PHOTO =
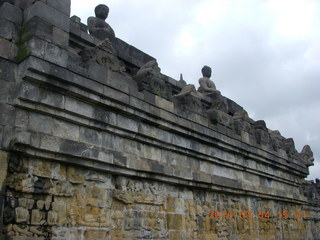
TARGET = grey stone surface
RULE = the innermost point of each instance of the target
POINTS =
(11, 13)
(90, 136)
(7, 49)
(7, 29)
(41, 123)
(7, 114)
(97, 25)
(78, 107)
(63, 6)
(56, 55)
(48, 14)
(7, 71)
(60, 37)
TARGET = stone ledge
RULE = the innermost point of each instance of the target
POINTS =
(254, 156)
(118, 170)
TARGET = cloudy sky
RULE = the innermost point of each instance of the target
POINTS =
(265, 54)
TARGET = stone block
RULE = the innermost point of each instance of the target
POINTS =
(56, 55)
(97, 72)
(50, 143)
(156, 167)
(63, 6)
(51, 98)
(60, 37)
(29, 91)
(120, 82)
(127, 123)
(37, 27)
(105, 116)
(75, 28)
(48, 14)
(90, 136)
(22, 137)
(78, 149)
(105, 157)
(7, 29)
(7, 114)
(116, 95)
(41, 123)
(7, 135)
(7, 49)
(65, 130)
(7, 72)
(119, 158)
(78, 107)
(109, 140)
(164, 104)
(11, 13)
(36, 47)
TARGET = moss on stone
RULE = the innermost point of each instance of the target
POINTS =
(23, 50)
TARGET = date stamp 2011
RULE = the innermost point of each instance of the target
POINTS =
(258, 215)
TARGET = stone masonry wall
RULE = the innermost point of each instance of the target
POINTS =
(91, 148)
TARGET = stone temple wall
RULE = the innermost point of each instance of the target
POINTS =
(96, 143)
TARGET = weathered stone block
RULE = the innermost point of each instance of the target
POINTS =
(90, 136)
(29, 91)
(127, 123)
(60, 37)
(105, 116)
(7, 114)
(7, 49)
(7, 29)
(41, 123)
(115, 94)
(51, 98)
(163, 103)
(175, 221)
(119, 158)
(37, 27)
(65, 130)
(36, 47)
(11, 13)
(63, 6)
(7, 72)
(56, 55)
(48, 14)
(78, 107)
(50, 143)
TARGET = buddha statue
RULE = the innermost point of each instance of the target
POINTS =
(97, 25)
(206, 84)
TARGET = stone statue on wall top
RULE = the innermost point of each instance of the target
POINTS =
(206, 84)
(98, 26)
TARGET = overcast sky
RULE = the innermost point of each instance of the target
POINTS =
(265, 54)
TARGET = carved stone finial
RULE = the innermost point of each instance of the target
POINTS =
(97, 25)
(307, 155)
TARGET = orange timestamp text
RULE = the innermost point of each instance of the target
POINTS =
(258, 215)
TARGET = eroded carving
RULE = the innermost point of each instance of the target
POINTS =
(307, 156)
(104, 55)
(150, 79)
